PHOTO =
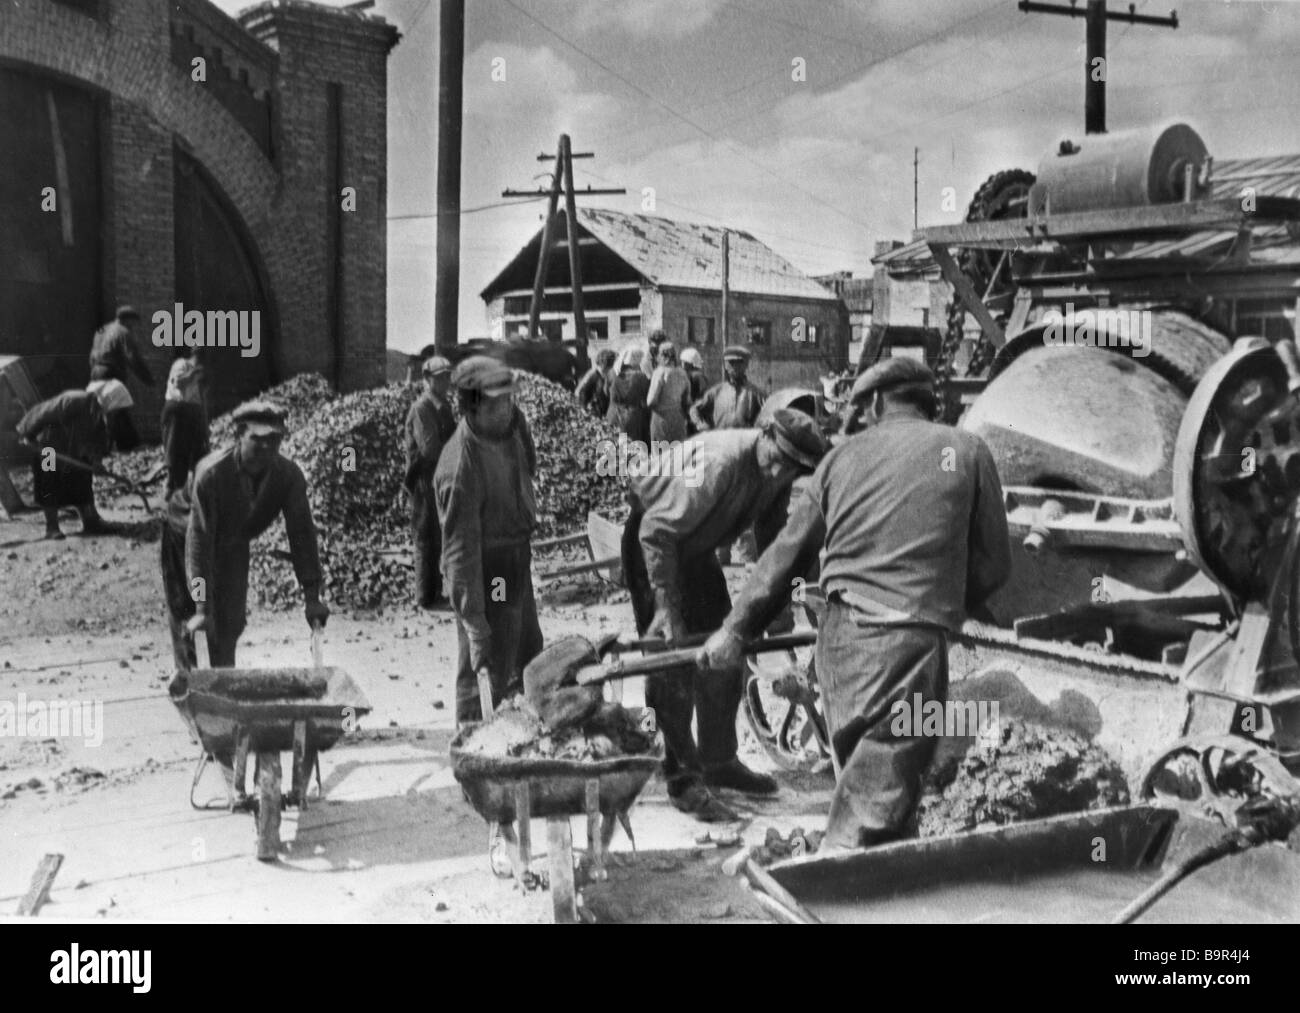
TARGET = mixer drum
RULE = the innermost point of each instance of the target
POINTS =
(1125, 168)
(1081, 418)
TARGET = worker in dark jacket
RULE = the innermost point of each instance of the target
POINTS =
(70, 438)
(429, 425)
(593, 389)
(735, 402)
(113, 354)
(909, 519)
(237, 494)
(733, 480)
(693, 363)
(629, 411)
(484, 489)
(184, 444)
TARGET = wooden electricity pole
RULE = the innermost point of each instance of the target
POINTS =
(726, 285)
(1094, 65)
(451, 72)
(561, 183)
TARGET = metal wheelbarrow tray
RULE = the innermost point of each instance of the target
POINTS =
(228, 723)
(1049, 870)
(507, 791)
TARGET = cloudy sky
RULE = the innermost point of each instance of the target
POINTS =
(697, 100)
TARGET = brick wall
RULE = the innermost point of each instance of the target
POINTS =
(781, 363)
(283, 205)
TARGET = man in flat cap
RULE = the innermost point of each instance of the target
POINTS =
(113, 354)
(736, 478)
(483, 486)
(909, 520)
(237, 494)
(429, 425)
(735, 402)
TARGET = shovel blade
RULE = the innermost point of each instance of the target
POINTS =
(549, 683)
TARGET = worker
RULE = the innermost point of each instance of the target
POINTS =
(735, 402)
(429, 425)
(668, 397)
(113, 355)
(650, 357)
(184, 443)
(70, 436)
(693, 363)
(593, 390)
(483, 486)
(629, 412)
(237, 493)
(677, 588)
(909, 521)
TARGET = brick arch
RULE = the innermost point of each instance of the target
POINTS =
(46, 37)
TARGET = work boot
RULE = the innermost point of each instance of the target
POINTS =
(735, 775)
(703, 804)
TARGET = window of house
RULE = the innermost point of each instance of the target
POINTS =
(552, 330)
(1263, 318)
(759, 331)
(629, 324)
(598, 329)
(699, 330)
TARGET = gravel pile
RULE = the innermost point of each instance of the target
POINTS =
(350, 447)
(1029, 771)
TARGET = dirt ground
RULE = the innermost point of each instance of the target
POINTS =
(393, 839)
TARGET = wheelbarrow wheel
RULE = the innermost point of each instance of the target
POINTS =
(785, 716)
(268, 806)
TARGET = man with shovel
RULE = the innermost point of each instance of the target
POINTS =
(483, 486)
(237, 494)
(734, 479)
(429, 425)
(909, 521)
(70, 434)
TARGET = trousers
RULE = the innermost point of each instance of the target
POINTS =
(863, 669)
(426, 536)
(712, 698)
(516, 633)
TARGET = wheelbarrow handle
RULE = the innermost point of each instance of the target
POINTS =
(661, 661)
(317, 646)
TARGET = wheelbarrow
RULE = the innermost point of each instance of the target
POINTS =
(237, 712)
(508, 791)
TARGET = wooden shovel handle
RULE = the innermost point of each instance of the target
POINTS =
(664, 660)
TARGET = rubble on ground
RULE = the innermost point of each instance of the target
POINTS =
(1027, 772)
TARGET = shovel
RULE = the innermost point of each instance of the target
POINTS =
(563, 682)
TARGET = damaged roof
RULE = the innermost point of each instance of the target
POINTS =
(673, 254)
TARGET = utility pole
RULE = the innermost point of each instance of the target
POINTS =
(451, 73)
(1094, 66)
(726, 284)
(561, 182)
(916, 162)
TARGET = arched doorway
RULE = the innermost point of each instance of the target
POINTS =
(217, 270)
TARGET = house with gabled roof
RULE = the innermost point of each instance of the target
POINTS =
(642, 273)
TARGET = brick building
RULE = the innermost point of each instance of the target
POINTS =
(642, 273)
(197, 159)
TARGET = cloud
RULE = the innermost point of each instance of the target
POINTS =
(648, 17)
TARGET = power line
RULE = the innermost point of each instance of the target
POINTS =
(470, 211)
(685, 119)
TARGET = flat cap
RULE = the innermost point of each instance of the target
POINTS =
(126, 313)
(484, 374)
(436, 364)
(797, 436)
(692, 357)
(736, 352)
(898, 371)
(261, 417)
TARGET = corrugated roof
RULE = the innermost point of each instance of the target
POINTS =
(672, 254)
